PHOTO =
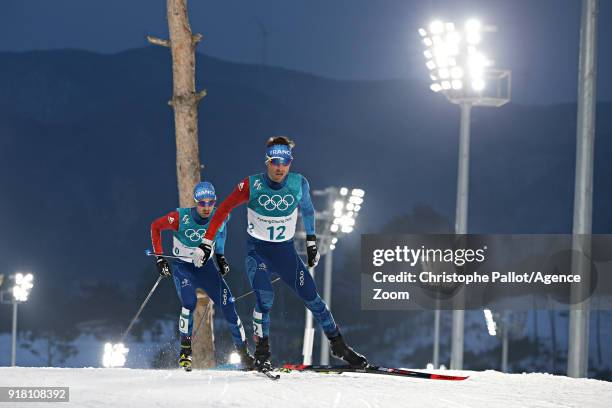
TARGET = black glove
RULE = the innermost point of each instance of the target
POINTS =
(202, 253)
(163, 267)
(223, 265)
(311, 249)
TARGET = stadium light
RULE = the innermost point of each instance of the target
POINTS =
(491, 325)
(460, 70)
(115, 355)
(346, 209)
(452, 53)
(234, 358)
(23, 286)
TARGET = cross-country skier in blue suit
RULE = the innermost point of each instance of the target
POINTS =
(273, 200)
(188, 226)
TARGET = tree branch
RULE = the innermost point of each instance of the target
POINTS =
(200, 95)
(182, 99)
(158, 41)
(196, 38)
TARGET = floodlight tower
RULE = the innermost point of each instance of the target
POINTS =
(462, 73)
(578, 343)
(18, 293)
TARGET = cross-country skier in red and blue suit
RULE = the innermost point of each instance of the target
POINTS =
(273, 199)
(188, 226)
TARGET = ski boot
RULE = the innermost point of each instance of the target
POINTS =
(262, 354)
(185, 354)
(247, 360)
(341, 351)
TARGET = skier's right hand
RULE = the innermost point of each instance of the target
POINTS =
(163, 267)
(202, 253)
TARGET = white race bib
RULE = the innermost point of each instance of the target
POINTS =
(183, 251)
(271, 229)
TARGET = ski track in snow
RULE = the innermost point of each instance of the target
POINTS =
(123, 387)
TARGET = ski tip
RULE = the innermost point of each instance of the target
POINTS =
(270, 375)
(298, 367)
(448, 377)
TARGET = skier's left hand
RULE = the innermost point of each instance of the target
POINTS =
(202, 253)
(224, 267)
(311, 249)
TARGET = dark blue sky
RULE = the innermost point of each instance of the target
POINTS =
(348, 39)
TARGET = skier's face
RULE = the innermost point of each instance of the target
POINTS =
(277, 171)
(205, 207)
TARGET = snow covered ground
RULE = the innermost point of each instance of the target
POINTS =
(96, 387)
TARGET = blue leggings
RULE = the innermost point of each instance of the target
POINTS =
(187, 278)
(265, 258)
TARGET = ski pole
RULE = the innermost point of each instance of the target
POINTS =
(252, 291)
(148, 252)
(235, 299)
(141, 307)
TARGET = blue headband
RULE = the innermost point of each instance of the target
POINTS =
(279, 151)
(203, 191)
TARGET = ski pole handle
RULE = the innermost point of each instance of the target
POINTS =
(148, 252)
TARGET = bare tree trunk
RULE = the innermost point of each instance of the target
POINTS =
(185, 102)
(203, 349)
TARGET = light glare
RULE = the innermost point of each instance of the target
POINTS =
(435, 87)
(453, 38)
(491, 325)
(436, 27)
(478, 84)
(114, 355)
(356, 200)
(23, 286)
(357, 192)
(234, 358)
(473, 38)
(456, 72)
(472, 25)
